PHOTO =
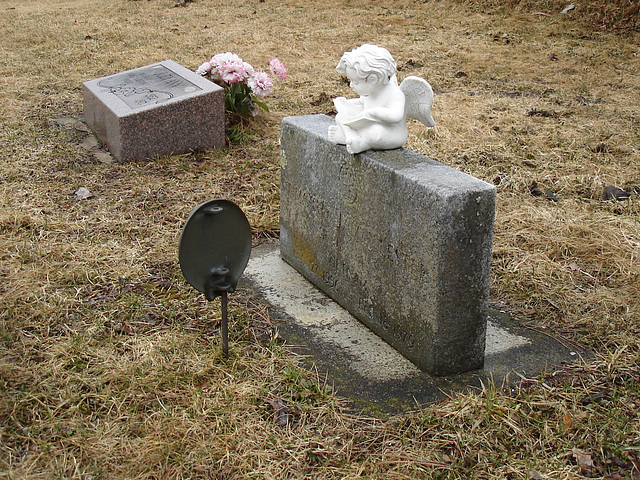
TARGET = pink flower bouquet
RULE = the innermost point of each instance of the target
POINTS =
(244, 87)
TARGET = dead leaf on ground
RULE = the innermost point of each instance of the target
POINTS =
(583, 459)
(567, 422)
(600, 396)
(534, 189)
(614, 193)
(632, 10)
(550, 195)
(533, 475)
(534, 112)
(281, 410)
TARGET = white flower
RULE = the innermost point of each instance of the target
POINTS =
(260, 84)
(204, 68)
(249, 69)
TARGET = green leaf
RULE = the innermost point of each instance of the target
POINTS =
(261, 105)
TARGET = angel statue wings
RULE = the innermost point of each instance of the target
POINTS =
(378, 118)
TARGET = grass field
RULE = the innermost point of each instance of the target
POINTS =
(110, 365)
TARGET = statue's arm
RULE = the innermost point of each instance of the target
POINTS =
(393, 113)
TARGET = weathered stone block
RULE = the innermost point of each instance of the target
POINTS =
(160, 109)
(399, 240)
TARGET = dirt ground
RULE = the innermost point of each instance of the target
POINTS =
(110, 365)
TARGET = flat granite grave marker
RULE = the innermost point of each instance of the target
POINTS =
(399, 240)
(159, 109)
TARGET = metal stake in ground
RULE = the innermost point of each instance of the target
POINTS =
(215, 246)
(225, 325)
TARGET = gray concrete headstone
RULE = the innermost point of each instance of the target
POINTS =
(156, 110)
(399, 240)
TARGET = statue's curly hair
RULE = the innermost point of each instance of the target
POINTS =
(369, 60)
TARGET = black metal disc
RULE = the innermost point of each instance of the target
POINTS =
(215, 246)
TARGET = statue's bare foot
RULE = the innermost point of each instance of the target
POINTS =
(336, 135)
(357, 145)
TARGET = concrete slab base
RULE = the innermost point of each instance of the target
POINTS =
(373, 376)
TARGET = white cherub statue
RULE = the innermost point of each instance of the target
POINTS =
(378, 119)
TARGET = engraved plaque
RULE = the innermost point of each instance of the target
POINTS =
(148, 86)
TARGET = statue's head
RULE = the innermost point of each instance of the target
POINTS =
(367, 61)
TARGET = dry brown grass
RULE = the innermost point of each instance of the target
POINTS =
(110, 365)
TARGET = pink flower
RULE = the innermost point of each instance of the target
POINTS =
(278, 69)
(232, 72)
(228, 67)
(260, 84)
(227, 57)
